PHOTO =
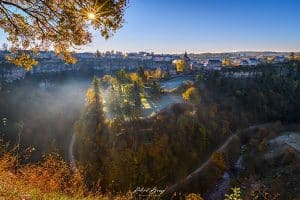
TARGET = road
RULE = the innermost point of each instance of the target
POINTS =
(173, 188)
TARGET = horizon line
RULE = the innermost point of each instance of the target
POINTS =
(176, 53)
(193, 52)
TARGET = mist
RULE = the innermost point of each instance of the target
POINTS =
(41, 113)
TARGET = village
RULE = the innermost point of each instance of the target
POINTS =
(110, 61)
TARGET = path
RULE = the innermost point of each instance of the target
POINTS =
(71, 152)
(194, 174)
(172, 189)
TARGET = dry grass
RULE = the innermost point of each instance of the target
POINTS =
(52, 178)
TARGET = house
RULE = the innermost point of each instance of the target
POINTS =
(133, 56)
(158, 58)
(253, 61)
(85, 55)
(236, 62)
(278, 59)
(244, 62)
(119, 54)
(263, 59)
(213, 64)
(194, 66)
(168, 59)
(249, 62)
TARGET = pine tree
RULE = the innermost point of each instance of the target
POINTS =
(92, 138)
(136, 95)
(141, 73)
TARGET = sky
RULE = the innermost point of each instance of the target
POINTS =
(199, 26)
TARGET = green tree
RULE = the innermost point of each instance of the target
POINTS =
(36, 25)
(91, 140)
(141, 73)
(155, 89)
(132, 100)
(122, 76)
(136, 95)
(199, 78)
(114, 102)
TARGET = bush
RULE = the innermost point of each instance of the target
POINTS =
(236, 194)
(218, 159)
(50, 177)
(192, 95)
(193, 196)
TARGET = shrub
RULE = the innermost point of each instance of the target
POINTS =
(193, 196)
(218, 159)
(192, 95)
(235, 195)
(50, 177)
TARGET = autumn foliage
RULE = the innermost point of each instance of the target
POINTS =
(51, 175)
(62, 26)
(192, 95)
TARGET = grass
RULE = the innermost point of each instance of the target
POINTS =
(52, 178)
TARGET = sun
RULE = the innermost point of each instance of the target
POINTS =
(91, 16)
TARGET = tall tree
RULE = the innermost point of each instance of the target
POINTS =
(62, 25)
(158, 73)
(155, 89)
(92, 137)
(136, 95)
(122, 76)
(292, 56)
(141, 73)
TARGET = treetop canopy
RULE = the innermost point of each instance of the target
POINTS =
(62, 25)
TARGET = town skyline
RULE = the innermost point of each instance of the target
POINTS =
(188, 52)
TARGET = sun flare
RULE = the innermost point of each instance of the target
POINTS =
(91, 16)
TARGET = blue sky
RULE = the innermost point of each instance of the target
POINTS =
(175, 26)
